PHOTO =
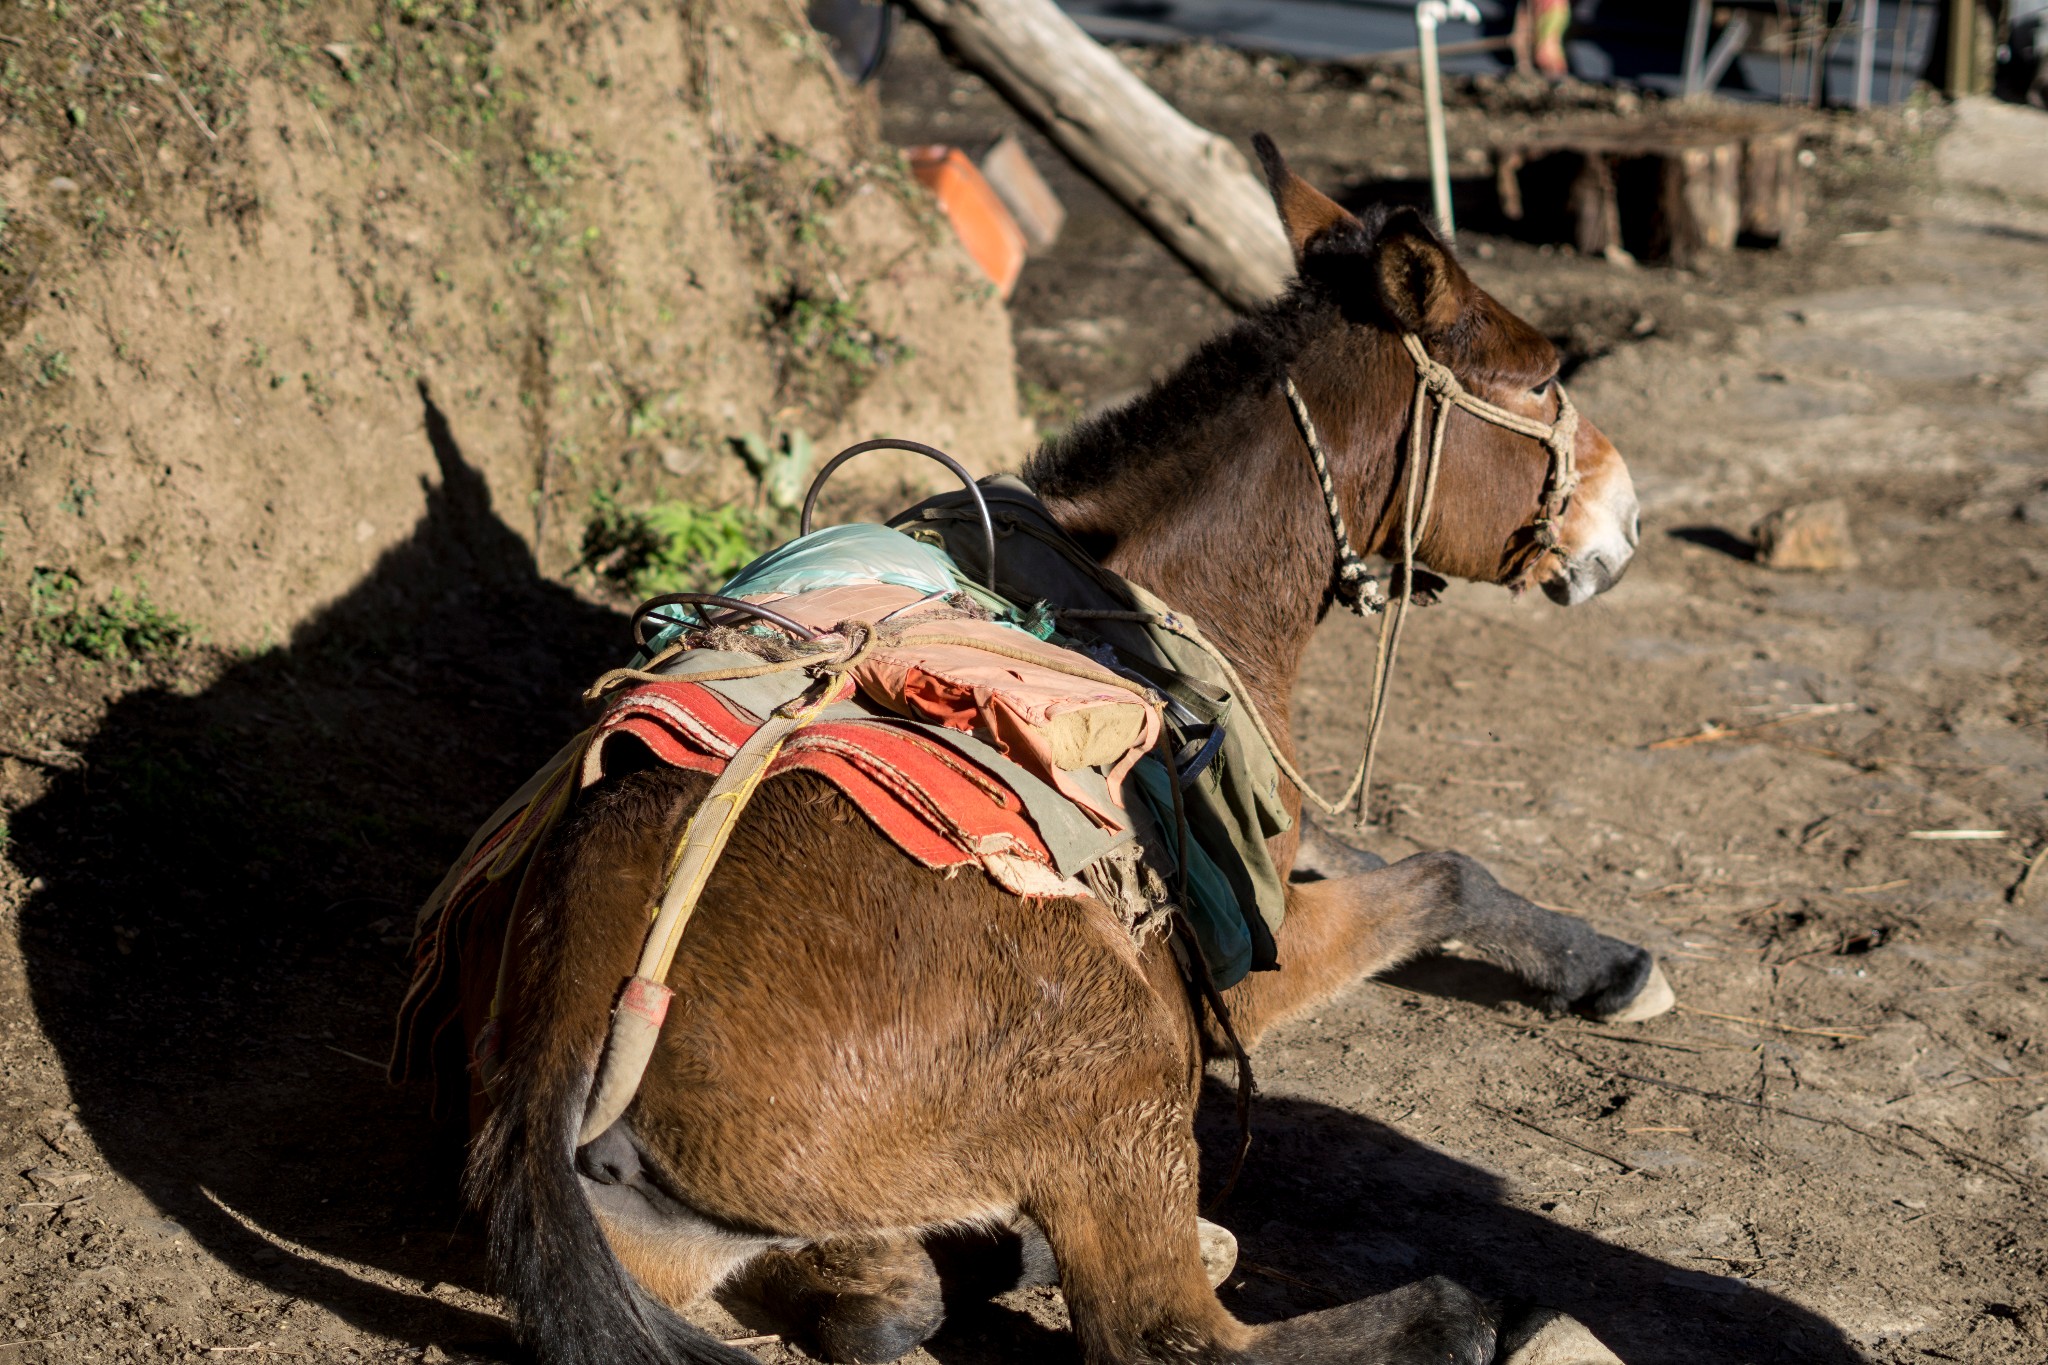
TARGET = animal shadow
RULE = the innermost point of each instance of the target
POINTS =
(226, 886)
(1333, 1206)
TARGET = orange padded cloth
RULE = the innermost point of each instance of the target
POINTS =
(1050, 712)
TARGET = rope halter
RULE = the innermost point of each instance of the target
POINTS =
(1354, 584)
(1560, 438)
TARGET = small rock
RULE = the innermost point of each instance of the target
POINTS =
(2033, 394)
(434, 1355)
(63, 184)
(1808, 535)
(1219, 1251)
(1548, 1337)
(1031, 202)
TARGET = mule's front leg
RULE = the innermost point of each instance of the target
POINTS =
(1345, 927)
(1431, 1322)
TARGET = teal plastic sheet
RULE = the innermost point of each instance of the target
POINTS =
(842, 555)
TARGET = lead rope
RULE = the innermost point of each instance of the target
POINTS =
(1355, 585)
(1413, 520)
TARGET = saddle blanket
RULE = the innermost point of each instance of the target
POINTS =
(935, 804)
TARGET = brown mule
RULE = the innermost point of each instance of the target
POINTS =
(869, 1069)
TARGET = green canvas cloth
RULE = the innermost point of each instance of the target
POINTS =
(1219, 928)
(1235, 805)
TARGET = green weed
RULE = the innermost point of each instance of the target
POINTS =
(782, 472)
(1050, 411)
(825, 348)
(46, 364)
(122, 627)
(671, 546)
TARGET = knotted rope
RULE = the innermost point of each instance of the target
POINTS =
(1560, 437)
(1437, 391)
(1355, 585)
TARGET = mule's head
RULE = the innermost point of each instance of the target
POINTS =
(1388, 274)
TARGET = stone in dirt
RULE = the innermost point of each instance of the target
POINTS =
(1219, 1251)
(1548, 1337)
(1039, 213)
(1807, 535)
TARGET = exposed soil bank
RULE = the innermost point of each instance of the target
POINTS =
(601, 243)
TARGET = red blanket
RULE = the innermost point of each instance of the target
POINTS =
(933, 803)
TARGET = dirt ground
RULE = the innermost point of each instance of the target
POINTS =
(1834, 1150)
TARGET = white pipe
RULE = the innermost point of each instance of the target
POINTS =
(1428, 15)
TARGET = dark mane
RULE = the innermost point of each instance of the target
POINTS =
(1157, 424)
(1158, 429)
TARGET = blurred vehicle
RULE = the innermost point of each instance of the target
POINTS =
(2023, 53)
(857, 31)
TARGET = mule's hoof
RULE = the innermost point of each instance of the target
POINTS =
(1652, 1000)
(1544, 1336)
(1219, 1251)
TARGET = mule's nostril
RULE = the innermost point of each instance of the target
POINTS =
(1635, 529)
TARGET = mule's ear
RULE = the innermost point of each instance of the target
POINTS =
(1421, 286)
(1305, 211)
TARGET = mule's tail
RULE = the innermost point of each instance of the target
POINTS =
(572, 1302)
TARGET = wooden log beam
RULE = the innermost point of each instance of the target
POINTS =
(1193, 189)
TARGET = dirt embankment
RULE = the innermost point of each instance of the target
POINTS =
(248, 260)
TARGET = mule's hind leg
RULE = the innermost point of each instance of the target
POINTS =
(1348, 926)
(851, 1299)
(678, 1254)
(1121, 1221)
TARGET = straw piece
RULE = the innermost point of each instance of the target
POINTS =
(1782, 1028)
(1715, 733)
(2017, 892)
(1955, 834)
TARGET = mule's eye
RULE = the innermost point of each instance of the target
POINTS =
(1543, 390)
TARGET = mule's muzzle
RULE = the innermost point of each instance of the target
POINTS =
(1584, 578)
(1613, 528)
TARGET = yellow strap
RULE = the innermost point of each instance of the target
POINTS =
(643, 1004)
(712, 823)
